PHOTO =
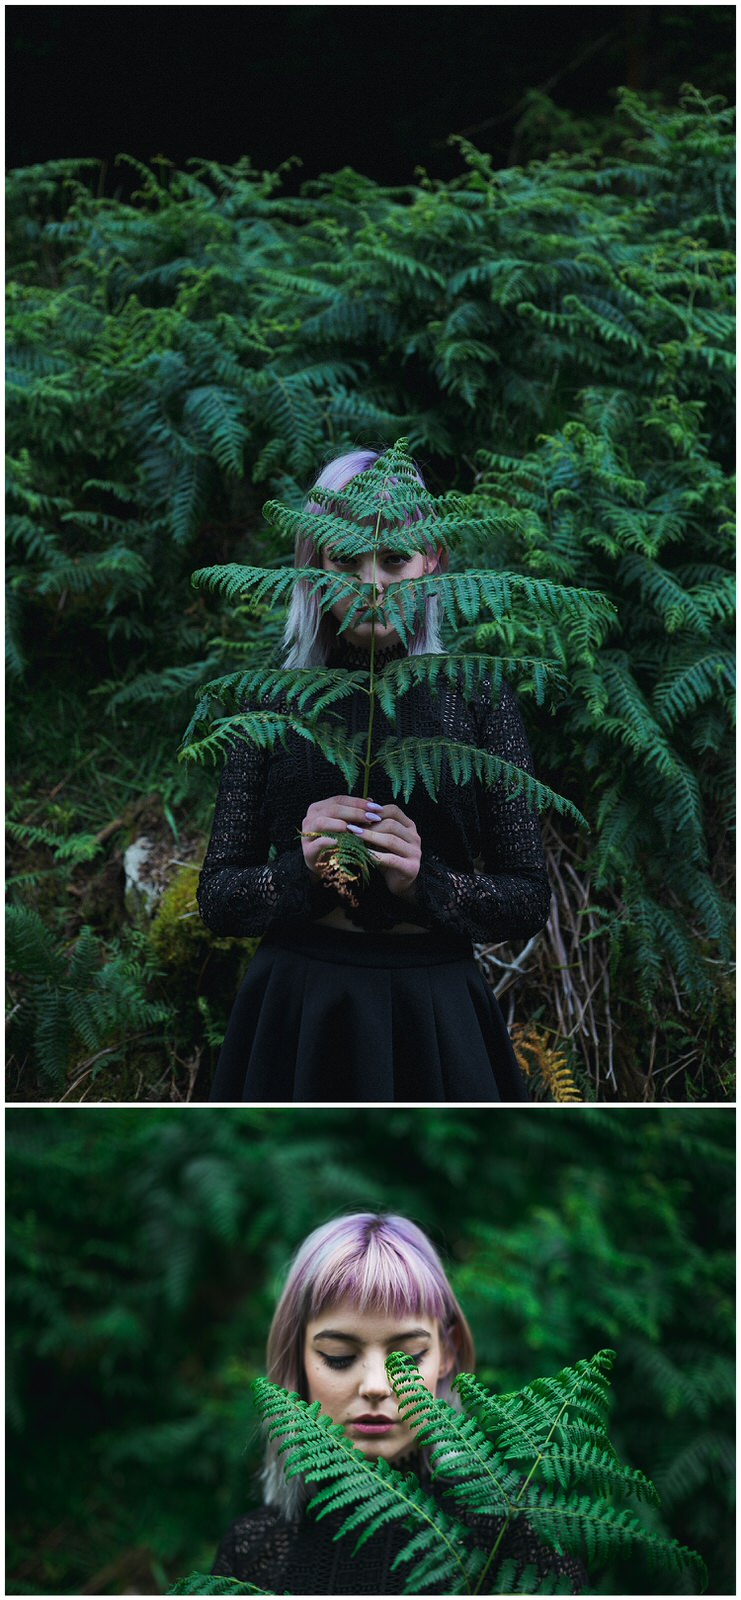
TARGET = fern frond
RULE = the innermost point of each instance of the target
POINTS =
(598, 1530)
(209, 1583)
(312, 688)
(689, 684)
(268, 728)
(52, 1035)
(468, 673)
(407, 760)
(522, 1422)
(464, 595)
(536, 1055)
(459, 1450)
(29, 947)
(321, 1452)
(78, 847)
(267, 587)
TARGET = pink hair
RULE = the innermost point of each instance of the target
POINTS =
(309, 635)
(377, 1263)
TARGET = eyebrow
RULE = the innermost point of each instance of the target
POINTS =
(350, 1338)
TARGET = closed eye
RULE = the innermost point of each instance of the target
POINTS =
(338, 1362)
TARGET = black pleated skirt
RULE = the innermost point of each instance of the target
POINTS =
(325, 1015)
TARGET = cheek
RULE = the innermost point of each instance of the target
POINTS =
(324, 1385)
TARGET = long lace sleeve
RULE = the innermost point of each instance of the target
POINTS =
(255, 1549)
(510, 898)
(240, 892)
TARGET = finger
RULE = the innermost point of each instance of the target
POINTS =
(389, 841)
(339, 825)
(388, 862)
(400, 830)
(345, 807)
(394, 814)
(386, 830)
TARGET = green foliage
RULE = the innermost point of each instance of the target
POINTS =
(78, 1001)
(555, 340)
(375, 1494)
(542, 1453)
(375, 513)
(145, 1252)
(205, 1583)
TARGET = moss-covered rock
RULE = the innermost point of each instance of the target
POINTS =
(177, 933)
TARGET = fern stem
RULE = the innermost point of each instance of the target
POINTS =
(367, 764)
(508, 1518)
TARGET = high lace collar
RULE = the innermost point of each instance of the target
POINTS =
(343, 654)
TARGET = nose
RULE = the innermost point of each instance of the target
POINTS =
(366, 573)
(374, 1382)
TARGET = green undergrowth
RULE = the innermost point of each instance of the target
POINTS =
(556, 342)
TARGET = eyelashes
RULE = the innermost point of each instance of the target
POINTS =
(387, 558)
(337, 1363)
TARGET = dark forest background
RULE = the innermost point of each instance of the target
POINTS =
(146, 1248)
(377, 88)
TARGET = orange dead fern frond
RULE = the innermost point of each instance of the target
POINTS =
(345, 865)
(538, 1058)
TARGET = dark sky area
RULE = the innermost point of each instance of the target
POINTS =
(378, 88)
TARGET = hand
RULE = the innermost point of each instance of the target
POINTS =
(340, 812)
(396, 848)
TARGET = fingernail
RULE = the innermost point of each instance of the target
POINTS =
(372, 816)
(371, 806)
(351, 828)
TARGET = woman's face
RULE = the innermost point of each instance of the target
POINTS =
(344, 1355)
(389, 568)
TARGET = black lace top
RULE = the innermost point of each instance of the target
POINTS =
(302, 1557)
(254, 874)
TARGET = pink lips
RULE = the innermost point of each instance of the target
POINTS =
(372, 1426)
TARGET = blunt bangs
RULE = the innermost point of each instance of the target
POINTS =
(380, 1277)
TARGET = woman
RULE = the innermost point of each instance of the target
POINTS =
(380, 1001)
(360, 1287)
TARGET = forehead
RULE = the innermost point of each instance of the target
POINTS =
(341, 1316)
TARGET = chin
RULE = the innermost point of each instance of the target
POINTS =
(364, 633)
(387, 1451)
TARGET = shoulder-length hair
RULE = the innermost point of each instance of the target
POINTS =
(309, 634)
(376, 1263)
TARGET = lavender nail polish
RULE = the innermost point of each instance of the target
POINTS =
(351, 828)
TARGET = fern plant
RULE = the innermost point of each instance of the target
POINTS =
(541, 1454)
(78, 1000)
(385, 508)
(556, 337)
(209, 1583)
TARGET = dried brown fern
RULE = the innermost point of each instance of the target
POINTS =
(344, 865)
(544, 1060)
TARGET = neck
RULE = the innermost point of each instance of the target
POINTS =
(344, 654)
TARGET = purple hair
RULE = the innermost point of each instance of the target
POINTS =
(383, 1264)
(309, 634)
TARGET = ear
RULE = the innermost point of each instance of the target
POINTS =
(450, 1343)
(432, 560)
